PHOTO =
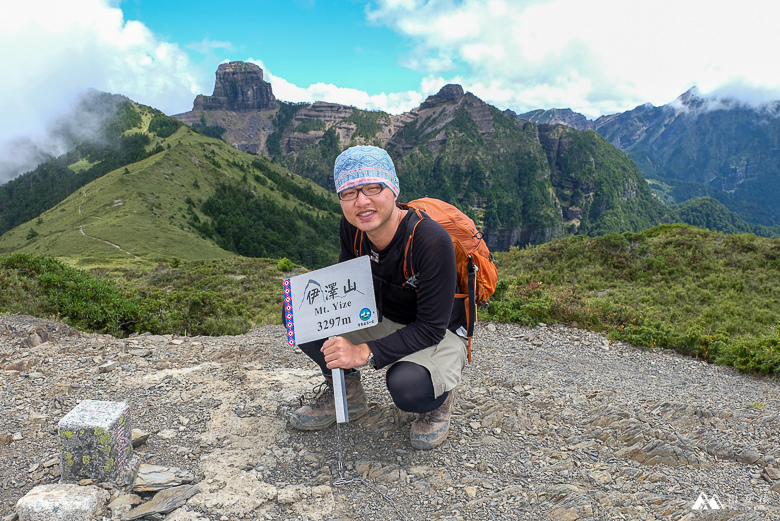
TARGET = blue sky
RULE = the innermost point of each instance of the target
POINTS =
(596, 57)
(301, 41)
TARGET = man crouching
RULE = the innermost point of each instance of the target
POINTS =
(416, 339)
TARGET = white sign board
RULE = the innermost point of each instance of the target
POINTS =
(330, 301)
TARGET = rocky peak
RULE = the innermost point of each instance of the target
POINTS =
(691, 99)
(448, 94)
(239, 87)
(558, 117)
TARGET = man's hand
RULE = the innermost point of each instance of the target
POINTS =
(340, 352)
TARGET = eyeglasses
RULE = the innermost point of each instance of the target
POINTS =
(367, 190)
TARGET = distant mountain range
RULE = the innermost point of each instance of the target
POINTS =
(521, 182)
(697, 146)
(152, 188)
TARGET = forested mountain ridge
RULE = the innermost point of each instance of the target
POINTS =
(116, 142)
(189, 197)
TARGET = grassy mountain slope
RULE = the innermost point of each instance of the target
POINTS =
(111, 137)
(701, 293)
(155, 208)
(130, 212)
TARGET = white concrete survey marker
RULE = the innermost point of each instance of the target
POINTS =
(330, 302)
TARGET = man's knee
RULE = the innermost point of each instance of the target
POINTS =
(411, 387)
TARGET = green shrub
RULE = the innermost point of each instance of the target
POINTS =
(367, 123)
(285, 264)
(221, 297)
(52, 288)
(214, 131)
(311, 125)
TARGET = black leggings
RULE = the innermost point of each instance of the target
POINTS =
(410, 384)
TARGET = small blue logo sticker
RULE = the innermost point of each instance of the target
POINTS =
(365, 314)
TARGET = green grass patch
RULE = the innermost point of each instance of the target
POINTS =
(367, 123)
(311, 125)
(154, 207)
(42, 286)
(81, 165)
(701, 293)
(216, 297)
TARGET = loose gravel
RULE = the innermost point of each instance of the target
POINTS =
(549, 423)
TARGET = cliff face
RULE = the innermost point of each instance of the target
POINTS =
(447, 94)
(523, 183)
(320, 115)
(239, 87)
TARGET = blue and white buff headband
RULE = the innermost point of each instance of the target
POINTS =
(362, 165)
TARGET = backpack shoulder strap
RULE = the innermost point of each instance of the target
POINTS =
(357, 247)
(408, 266)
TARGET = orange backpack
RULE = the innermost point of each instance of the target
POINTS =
(476, 269)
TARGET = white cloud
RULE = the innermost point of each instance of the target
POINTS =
(596, 57)
(207, 46)
(54, 50)
(393, 103)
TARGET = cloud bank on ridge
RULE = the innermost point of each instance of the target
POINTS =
(596, 57)
(60, 49)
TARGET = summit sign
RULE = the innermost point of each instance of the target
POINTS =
(330, 301)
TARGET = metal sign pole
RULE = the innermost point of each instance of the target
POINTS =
(340, 395)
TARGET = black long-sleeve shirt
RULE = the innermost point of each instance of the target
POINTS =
(427, 312)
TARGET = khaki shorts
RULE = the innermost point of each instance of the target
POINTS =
(445, 361)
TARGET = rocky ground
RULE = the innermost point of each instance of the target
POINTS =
(550, 423)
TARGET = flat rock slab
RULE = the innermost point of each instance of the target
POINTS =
(771, 473)
(163, 502)
(62, 502)
(152, 478)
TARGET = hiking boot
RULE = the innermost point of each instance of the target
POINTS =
(321, 413)
(431, 428)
